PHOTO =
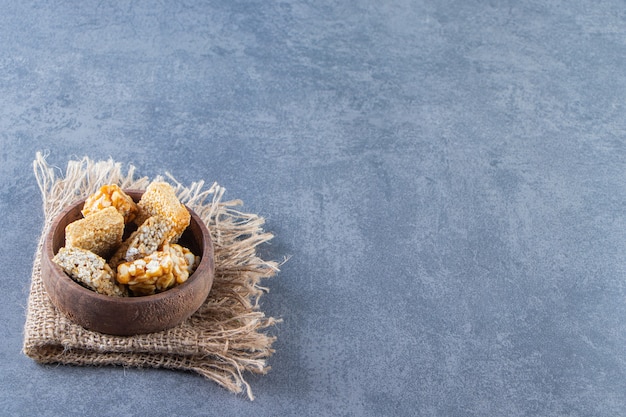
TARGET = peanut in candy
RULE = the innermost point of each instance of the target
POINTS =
(157, 272)
(111, 195)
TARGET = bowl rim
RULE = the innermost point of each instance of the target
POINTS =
(48, 252)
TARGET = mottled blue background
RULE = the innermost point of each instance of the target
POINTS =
(447, 177)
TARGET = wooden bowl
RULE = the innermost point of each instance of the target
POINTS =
(126, 316)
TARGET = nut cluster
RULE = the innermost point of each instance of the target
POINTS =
(159, 271)
(111, 195)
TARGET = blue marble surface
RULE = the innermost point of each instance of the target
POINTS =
(447, 177)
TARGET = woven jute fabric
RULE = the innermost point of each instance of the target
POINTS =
(226, 338)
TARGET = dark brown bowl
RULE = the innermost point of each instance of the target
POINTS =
(126, 316)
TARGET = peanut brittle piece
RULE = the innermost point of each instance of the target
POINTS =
(157, 272)
(111, 195)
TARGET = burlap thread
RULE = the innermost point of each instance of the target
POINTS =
(222, 341)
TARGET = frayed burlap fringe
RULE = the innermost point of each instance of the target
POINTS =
(221, 341)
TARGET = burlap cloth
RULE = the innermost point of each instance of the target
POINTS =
(222, 341)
